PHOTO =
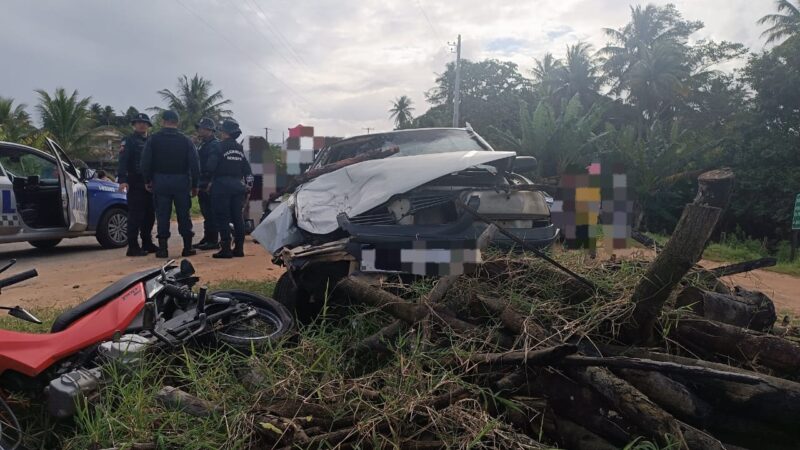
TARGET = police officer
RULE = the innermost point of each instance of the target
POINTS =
(209, 144)
(229, 171)
(141, 215)
(172, 173)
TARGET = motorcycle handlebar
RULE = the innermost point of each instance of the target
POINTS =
(18, 278)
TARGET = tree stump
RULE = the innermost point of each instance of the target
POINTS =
(682, 251)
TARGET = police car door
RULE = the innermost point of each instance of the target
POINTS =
(73, 191)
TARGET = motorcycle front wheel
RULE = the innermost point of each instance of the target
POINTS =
(272, 322)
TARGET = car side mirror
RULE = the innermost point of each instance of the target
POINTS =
(525, 164)
(87, 173)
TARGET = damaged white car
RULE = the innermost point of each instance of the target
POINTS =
(389, 203)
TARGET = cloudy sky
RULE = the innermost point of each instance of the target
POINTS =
(333, 64)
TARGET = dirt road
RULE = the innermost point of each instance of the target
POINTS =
(78, 268)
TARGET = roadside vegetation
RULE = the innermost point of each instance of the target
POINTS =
(317, 367)
(733, 248)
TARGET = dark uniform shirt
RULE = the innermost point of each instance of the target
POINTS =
(229, 161)
(170, 152)
(207, 147)
(130, 157)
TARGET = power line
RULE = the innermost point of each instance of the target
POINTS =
(277, 32)
(266, 38)
(427, 19)
(251, 60)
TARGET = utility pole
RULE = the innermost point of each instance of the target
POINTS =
(368, 129)
(266, 135)
(457, 92)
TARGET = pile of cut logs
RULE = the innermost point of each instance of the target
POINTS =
(692, 364)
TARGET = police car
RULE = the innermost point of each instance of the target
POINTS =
(44, 198)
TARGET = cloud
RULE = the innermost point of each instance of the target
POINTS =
(334, 64)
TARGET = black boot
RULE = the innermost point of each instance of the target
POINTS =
(162, 249)
(187, 247)
(238, 248)
(201, 243)
(135, 250)
(148, 246)
(208, 245)
(225, 251)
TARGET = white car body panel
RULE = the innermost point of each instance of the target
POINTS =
(358, 188)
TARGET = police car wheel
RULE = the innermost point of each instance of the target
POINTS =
(112, 231)
(47, 243)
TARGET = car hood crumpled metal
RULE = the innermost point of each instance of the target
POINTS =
(356, 189)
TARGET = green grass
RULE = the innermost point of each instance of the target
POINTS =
(315, 367)
(733, 249)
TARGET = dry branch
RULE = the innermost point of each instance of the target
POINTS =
(174, 398)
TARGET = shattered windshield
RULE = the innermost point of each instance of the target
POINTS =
(416, 142)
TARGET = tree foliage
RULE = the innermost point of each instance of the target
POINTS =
(66, 118)
(193, 100)
(653, 98)
(401, 112)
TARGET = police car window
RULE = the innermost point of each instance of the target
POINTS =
(27, 164)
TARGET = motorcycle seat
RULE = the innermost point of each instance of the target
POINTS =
(109, 293)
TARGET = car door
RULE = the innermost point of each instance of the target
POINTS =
(74, 195)
(10, 222)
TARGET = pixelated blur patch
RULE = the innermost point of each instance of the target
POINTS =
(428, 258)
(594, 204)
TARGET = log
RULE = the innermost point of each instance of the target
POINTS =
(774, 400)
(742, 267)
(671, 395)
(634, 406)
(657, 366)
(573, 436)
(511, 319)
(749, 346)
(681, 252)
(743, 308)
(543, 356)
(646, 240)
(580, 404)
(176, 399)
(362, 292)
(376, 342)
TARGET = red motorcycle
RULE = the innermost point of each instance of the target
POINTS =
(151, 309)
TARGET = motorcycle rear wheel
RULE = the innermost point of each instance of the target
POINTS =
(272, 322)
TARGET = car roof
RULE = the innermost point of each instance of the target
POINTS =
(27, 148)
(409, 130)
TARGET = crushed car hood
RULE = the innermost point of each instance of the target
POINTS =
(358, 188)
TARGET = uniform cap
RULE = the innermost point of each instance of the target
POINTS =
(141, 117)
(231, 127)
(206, 123)
(170, 116)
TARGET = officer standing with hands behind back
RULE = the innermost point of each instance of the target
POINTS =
(172, 172)
(141, 215)
(209, 144)
(229, 169)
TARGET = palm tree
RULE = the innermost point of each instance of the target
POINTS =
(648, 58)
(580, 74)
(65, 118)
(783, 25)
(15, 122)
(547, 72)
(401, 112)
(195, 100)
